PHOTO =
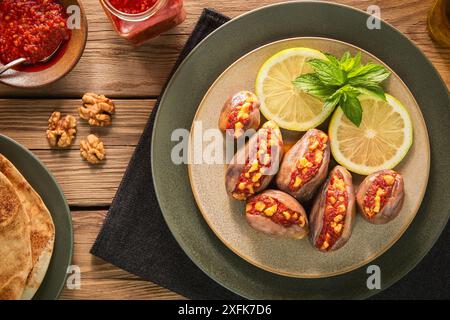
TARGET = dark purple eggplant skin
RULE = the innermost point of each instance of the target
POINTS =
(318, 210)
(235, 168)
(308, 190)
(393, 205)
(232, 102)
(266, 225)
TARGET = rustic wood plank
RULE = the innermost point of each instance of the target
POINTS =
(84, 184)
(26, 121)
(114, 67)
(99, 279)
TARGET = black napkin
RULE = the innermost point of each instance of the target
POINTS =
(136, 238)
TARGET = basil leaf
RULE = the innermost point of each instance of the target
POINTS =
(357, 61)
(372, 89)
(332, 59)
(328, 73)
(349, 90)
(311, 84)
(351, 107)
(377, 76)
(348, 63)
(346, 57)
(370, 72)
(333, 100)
(341, 81)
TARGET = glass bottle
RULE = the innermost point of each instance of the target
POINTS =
(141, 20)
(439, 22)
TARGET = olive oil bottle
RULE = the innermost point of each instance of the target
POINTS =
(439, 22)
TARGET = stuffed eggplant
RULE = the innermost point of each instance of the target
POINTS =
(254, 166)
(305, 166)
(278, 214)
(380, 196)
(240, 113)
(333, 213)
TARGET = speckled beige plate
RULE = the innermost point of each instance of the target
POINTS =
(297, 258)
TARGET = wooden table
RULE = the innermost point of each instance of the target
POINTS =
(134, 77)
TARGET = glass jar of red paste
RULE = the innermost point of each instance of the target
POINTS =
(141, 20)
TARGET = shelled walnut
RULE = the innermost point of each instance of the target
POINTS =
(92, 149)
(97, 109)
(61, 130)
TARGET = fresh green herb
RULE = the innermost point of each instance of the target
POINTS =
(341, 81)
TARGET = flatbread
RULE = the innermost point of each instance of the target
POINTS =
(42, 234)
(15, 245)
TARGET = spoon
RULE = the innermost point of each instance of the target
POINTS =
(20, 61)
(12, 64)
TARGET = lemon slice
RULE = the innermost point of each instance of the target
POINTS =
(281, 102)
(380, 142)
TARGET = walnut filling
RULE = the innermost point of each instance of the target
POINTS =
(239, 116)
(92, 149)
(378, 194)
(277, 211)
(61, 130)
(257, 167)
(308, 165)
(335, 213)
(97, 110)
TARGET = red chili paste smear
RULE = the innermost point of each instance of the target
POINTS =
(132, 6)
(31, 29)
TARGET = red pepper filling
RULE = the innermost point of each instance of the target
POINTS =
(132, 6)
(378, 193)
(31, 29)
(275, 210)
(308, 166)
(256, 168)
(335, 212)
(239, 116)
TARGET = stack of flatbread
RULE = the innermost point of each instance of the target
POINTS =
(27, 235)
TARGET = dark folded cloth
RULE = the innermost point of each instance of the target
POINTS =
(136, 238)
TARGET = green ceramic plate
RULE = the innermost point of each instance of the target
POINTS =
(46, 186)
(202, 67)
(287, 256)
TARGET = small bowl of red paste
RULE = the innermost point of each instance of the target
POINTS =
(46, 34)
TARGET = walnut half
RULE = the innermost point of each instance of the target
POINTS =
(92, 149)
(61, 130)
(97, 109)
